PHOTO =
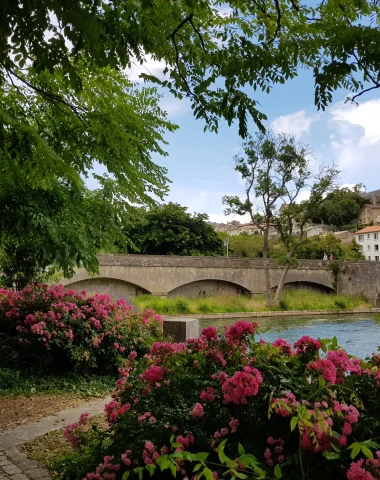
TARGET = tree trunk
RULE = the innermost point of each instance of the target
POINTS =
(280, 285)
(268, 289)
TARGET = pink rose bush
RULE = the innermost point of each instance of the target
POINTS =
(56, 327)
(245, 408)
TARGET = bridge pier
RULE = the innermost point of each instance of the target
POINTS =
(181, 329)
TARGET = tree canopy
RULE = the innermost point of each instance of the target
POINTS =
(169, 229)
(66, 134)
(340, 207)
(213, 50)
(62, 227)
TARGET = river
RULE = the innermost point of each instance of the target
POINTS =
(359, 336)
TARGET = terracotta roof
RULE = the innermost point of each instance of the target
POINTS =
(374, 228)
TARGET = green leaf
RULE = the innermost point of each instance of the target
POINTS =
(197, 467)
(126, 475)
(367, 452)
(241, 449)
(355, 450)
(201, 456)
(173, 469)
(293, 423)
(151, 468)
(277, 471)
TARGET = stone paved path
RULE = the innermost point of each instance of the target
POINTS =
(14, 465)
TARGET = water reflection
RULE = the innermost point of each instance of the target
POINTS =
(359, 336)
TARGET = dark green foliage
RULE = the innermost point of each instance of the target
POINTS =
(65, 227)
(340, 207)
(170, 230)
(315, 247)
(274, 39)
(26, 382)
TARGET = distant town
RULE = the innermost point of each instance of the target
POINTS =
(365, 230)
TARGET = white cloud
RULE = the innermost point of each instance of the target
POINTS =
(175, 107)
(150, 67)
(365, 116)
(296, 123)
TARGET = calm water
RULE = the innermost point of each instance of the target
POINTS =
(359, 336)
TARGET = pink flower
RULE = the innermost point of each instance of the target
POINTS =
(347, 429)
(307, 344)
(356, 472)
(208, 395)
(153, 374)
(197, 411)
(327, 369)
(285, 347)
(241, 385)
(210, 333)
(233, 424)
(240, 331)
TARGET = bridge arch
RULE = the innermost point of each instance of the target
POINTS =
(207, 288)
(113, 287)
(307, 285)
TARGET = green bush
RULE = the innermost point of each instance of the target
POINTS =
(54, 328)
(182, 305)
(340, 303)
(230, 407)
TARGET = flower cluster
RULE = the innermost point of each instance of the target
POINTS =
(58, 326)
(241, 385)
(71, 432)
(307, 344)
(213, 394)
(275, 452)
(238, 332)
(368, 469)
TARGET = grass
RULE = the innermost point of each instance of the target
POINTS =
(18, 382)
(297, 299)
(51, 449)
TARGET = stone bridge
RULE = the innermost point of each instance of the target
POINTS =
(131, 275)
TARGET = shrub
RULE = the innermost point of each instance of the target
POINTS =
(340, 303)
(227, 405)
(182, 305)
(204, 307)
(58, 328)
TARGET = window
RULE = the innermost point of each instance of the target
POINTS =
(376, 236)
(376, 259)
(368, 247)
(376, 248)
(361, 238)
(368, 258)
(368, 235)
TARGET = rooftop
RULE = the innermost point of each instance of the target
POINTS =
(373, 229)
(371, 205)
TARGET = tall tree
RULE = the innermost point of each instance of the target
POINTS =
(169, 229)
(275, 168)
(290, 222)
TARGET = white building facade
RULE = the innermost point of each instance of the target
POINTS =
(369, 241)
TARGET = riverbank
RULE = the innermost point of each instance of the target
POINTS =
(272, 313)
(292, 300)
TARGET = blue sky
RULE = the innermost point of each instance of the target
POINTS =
(200, 164)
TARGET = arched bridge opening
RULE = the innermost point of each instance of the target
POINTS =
(311, 286)
(209, 288)
(113, 287)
